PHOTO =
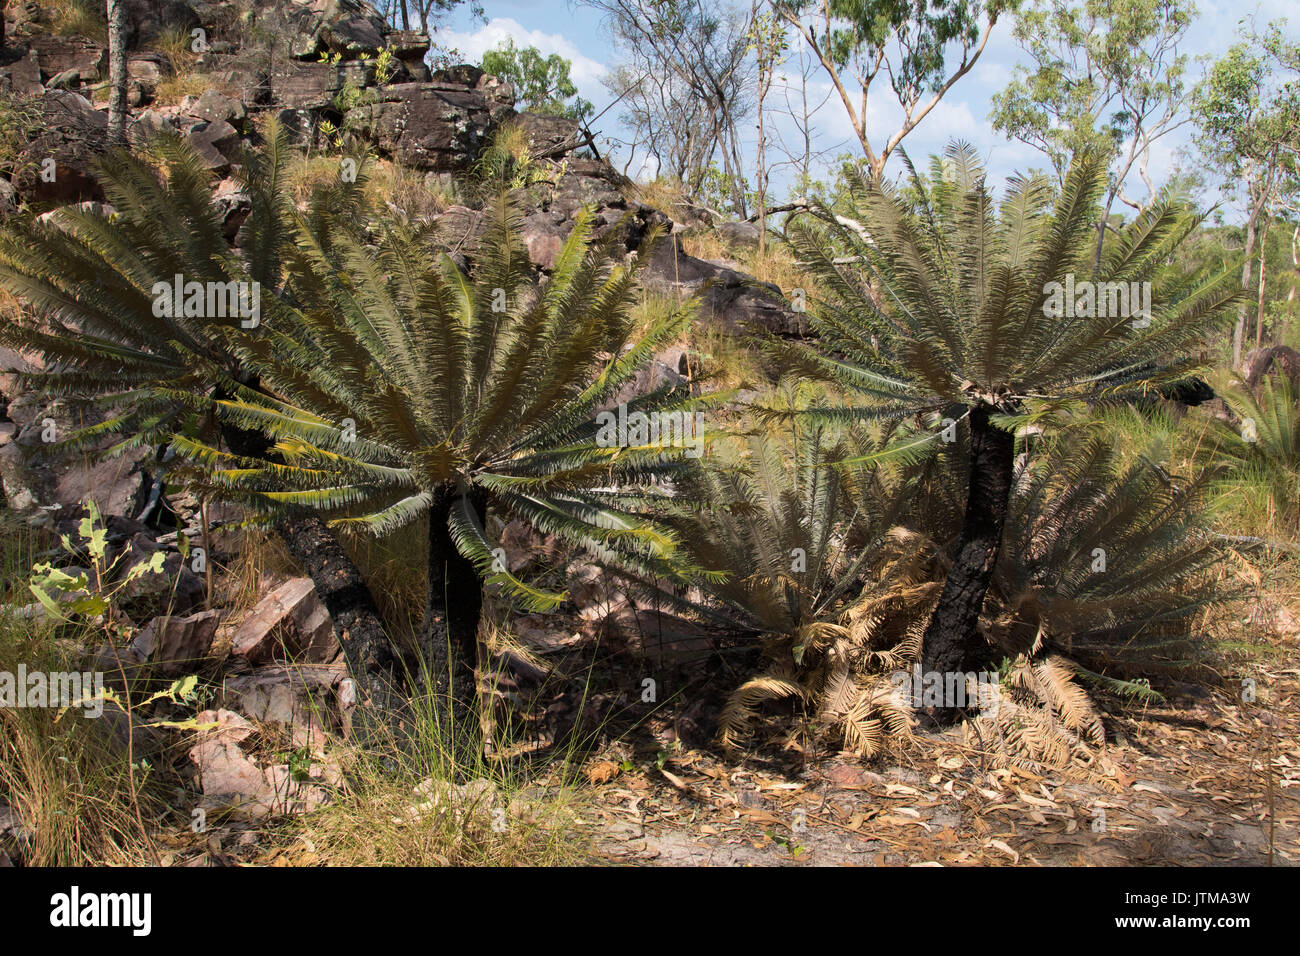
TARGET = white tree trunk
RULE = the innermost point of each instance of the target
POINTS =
(117, 73)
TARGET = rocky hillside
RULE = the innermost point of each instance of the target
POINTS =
(342, 81)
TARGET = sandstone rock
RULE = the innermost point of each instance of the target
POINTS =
(459, 229)
(589, 183)
(355, 36)
(20, 76)
(234, 204)
(73, 134)
(117, 662)
(544, 235)
(295, 695)
(216, 107)
(301, 127)
(116, 484)
(58, 54)
(177, 645)
(245, 80)
(67, 80)
(25, 485)
(146, 125)
(290, 623)
(500, 93)
(174, 590)
(147, 69)
(310, 27)
(212, 141)
(296, 85)
(550, 136)
(408, 44)
(740, 234)
(410, 47)
(733, 297)
(148, 20)
(663, 370)
(230, 726)
(230, 780)
(428, 126)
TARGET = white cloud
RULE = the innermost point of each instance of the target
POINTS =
(586, 72)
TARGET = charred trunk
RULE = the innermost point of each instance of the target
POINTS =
(952, 637)
(454, 606)
(357, 621)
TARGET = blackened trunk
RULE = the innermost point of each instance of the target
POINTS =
(357, 621)
(370, 655)
(952, 636)
(455, 603)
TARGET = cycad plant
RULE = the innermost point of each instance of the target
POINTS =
(92, 285)
(1262, 449)
(952, 303)
(1103, 572)
(1105, 565)
(108, 335)
(793, 530)
(398, 388)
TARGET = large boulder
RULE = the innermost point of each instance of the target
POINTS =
(20, 73)
(588, 183)
(740, 235)
(295, 85)
(57, 166)
(410, 47)
(499, 92)
(57, 54)
(145, 70)
(215, 107)
(308, 28)
(428, 126)
(544, 234)
(148, 20)
(174, 590)
(730, 296)
(33, 477)
(214, 143)
(550, 136)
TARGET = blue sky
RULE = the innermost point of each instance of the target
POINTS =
(575, 32)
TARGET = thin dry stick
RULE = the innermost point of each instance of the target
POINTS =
(207, 551)
(1268, 780)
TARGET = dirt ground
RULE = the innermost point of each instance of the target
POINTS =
(1207, 781)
